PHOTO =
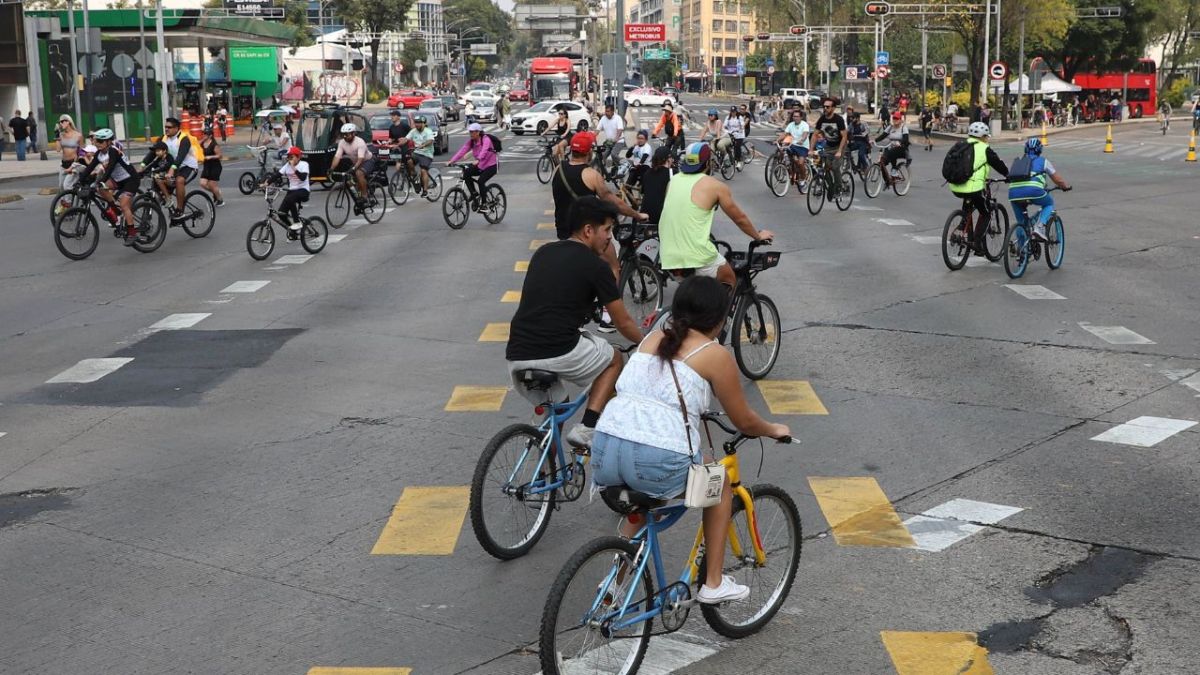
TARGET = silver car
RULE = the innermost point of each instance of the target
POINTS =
(485, 112)
(433, 106)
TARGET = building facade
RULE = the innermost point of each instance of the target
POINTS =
(712, 33)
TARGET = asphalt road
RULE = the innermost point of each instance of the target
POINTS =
(248, 491)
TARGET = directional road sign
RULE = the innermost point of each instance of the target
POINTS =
(883, 58)
(939, 70)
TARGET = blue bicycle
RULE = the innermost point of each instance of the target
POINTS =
(600, 613)
(524, 472)
(1021, 246)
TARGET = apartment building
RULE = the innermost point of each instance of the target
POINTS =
(711, 36)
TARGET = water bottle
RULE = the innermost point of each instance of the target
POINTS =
(110, 214)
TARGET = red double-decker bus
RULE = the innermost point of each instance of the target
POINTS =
(1138, 89)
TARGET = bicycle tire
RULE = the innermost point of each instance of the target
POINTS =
(200, 214)
(480, 487)
(338, 206)
(997, 234)
(726, 164)
(71, 197)
(1016, 252)
(1055, 236)
(399, 187)
(375, 203)
(314, 234)
(756, 319)
(599, 554)
(720, 617)
(497, 204)
(642, 289)
(260, 240)
(873, 182)
(956, 246)
(151, 224)
(779, 181)
(247, 183)
(846, 193)
(901, 185)
(455, 208)
(815, 199)
(545, 169)
(76, 224)
(434, 192)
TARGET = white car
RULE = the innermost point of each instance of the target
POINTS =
(648, 96)
(476, 96)
(544, 114)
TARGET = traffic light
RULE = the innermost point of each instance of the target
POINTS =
(747, 38)
(877, 8)
(765, 37)
(797, 30)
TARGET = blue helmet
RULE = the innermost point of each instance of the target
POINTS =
(712, 112)
(1033, 147)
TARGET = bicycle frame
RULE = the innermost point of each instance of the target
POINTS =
(551, 428)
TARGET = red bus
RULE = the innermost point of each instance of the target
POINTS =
(1137, 88)
(552, 78)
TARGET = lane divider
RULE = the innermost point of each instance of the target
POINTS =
(292, 259)
(538, 243)
(179, 321)
(1034, 292)
(1116, 335)
(521, 266)
(494, 332)
(425, 521)
(545, 226)
(472, 398)
(936, 653)
(89, 370)
(511, 296)
(340, 670)
(943, 526)
(245, 286)
(791, 397)
(859, 513)
(1144, 432)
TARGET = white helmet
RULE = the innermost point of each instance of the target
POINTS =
(349, 128)
(978, 130)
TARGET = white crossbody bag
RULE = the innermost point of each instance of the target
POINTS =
(705, 481)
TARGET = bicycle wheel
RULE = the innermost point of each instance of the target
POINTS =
(496, 204)
(873, 183)
(756, 335)
(151, 224)
(777, 525)
(777, 177)
(375, 203)
(455, 208)
(260, 240)
(997, 234)
(399, 187)
(508, 521)
(902, 181)
(576, 634)
(815, 199)
(247, 183)
(844, 197)
(545, 169)
(63, 200)
(199, 214)
(956, 247)
(1016, 252)
(726, 164)
(338, 205)
(76, 233)
(1056, 241)
(314, 235)
(641, 289)
(434, 192)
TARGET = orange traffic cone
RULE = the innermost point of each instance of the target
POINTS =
(1108, 148)
(1045, 143)
(1191, 156)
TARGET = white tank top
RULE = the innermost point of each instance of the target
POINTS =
(646, 408)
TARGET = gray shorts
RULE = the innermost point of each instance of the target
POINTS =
(580, 366)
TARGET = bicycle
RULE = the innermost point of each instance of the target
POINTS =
(825, 185)
(456, 207)
(249, 181)
(781, 171)
(641, 282)
(722, 161)
(76, 233)
(630, 194)
(956, 234)
(601, 609)
(1020, 245)
(260, 238)
(1164, 121)
(899, 177)
(405, 182)
(548, 163)
(199, 213)
(528, 470)
(344, 198)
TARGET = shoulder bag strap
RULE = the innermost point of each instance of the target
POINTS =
(687, 421)
(562, 177)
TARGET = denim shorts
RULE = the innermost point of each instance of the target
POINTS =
(657, 472)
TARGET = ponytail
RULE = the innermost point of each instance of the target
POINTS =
(674, 333)
(700, 303)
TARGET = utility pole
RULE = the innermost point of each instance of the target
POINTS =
(163, 62)
(987, 37)
(89, 101)
(74, 66)
(620, 37)
(924, 60)
(145, 71)
(1020, 73)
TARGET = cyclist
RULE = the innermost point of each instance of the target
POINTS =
(640, 154)
(564, 282)
(1196, 116)
(714, 127)
(833, 128)
(655, 182)
(860, 140)
(984, 160)
(486, 161)
(353, 155)
(642, 439)
(737, 131)
(562, 131)
(610, 129)
(398, 136)
(896, 134)
(118, 174)
(421, 139)
(295, 171)
(1164, 115)
(687, 217)
(281, 142)
(183, 166)
(210, 174)
(670, 124)
(1027, 186)
(796, 136)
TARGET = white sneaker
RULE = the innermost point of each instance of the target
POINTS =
(728, 591)
(580, 437)
(1039, 232)
(605, 325)
(295, 227)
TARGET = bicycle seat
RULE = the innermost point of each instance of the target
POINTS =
(537, 380)
(639, 499)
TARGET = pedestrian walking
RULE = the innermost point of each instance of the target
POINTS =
(32, 124)
(927, 127)
(210, 174)
(222, 118)
(20, 134)
(69, 143)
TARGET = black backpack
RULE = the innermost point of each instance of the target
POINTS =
(959, 163)
(496, 144)
(1022, 168)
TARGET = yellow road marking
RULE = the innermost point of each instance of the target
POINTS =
(538, 243)
(545, 226)
(476, 399)
(791, 397)
(548, 212)
(339, 670)
(494, 332)
(426, 521)
(511, 296)
(936, 653)
(521, 266)
(859, 512)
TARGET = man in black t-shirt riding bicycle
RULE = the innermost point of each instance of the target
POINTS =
(833, 127)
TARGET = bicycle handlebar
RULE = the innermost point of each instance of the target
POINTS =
(739, 437)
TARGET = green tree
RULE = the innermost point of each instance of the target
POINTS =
(1104, 45)
(1173, 27)
(374, 17)
(414, 50)
(495, 22)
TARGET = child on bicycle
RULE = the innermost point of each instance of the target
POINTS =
(1027, 186)
(295, 172)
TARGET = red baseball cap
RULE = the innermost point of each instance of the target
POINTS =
(582, 142)
(295, 151)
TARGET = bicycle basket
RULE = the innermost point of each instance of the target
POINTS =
(759, 261)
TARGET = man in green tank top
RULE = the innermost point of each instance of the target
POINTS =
(683, 231)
